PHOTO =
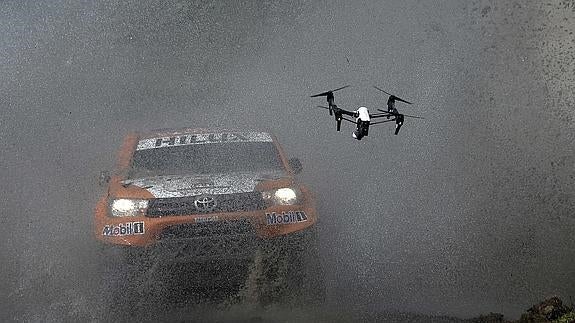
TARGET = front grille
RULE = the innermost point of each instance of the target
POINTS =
(174, 206)
(190, 242)
(216, 229)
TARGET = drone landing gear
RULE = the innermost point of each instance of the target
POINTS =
(398, 123)
(338, 118)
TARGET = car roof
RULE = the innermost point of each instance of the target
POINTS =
(165, 132)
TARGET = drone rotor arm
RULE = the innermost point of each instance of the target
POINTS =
(349, 113)
(390, 113)
(380, 115)
(346, 119)
(384, 121)
(396, 114)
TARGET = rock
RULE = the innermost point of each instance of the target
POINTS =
(548, 310)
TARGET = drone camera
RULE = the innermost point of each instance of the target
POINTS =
(364, 127)
(362, 130)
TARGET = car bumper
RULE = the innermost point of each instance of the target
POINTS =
(145, 231)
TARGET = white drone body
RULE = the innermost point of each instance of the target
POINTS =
(362, 121)
(362, 114)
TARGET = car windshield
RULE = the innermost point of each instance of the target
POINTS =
(206, 159)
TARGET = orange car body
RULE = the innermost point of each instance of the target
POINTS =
(157, 187)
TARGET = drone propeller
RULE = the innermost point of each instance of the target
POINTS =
(330, 98)
(391, 96)
(330, 92)
(396, 114)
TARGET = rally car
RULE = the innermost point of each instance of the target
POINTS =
(196, 194)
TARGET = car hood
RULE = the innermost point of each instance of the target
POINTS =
(212, 184)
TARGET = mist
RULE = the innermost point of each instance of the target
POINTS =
(467, 211)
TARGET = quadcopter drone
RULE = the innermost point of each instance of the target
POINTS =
(362, 115)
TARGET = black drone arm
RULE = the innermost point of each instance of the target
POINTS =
(347, 113)
(380, 115)
(346, 119)
(378, 122)
(397, 114)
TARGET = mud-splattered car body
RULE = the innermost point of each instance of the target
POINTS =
(191, 187)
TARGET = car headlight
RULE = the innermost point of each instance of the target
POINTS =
(282, 196)
(128, 207)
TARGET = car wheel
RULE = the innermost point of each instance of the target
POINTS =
(291, 271)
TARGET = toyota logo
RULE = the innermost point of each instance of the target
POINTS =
(205, 204)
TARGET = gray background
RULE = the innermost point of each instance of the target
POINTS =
(468, 211)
